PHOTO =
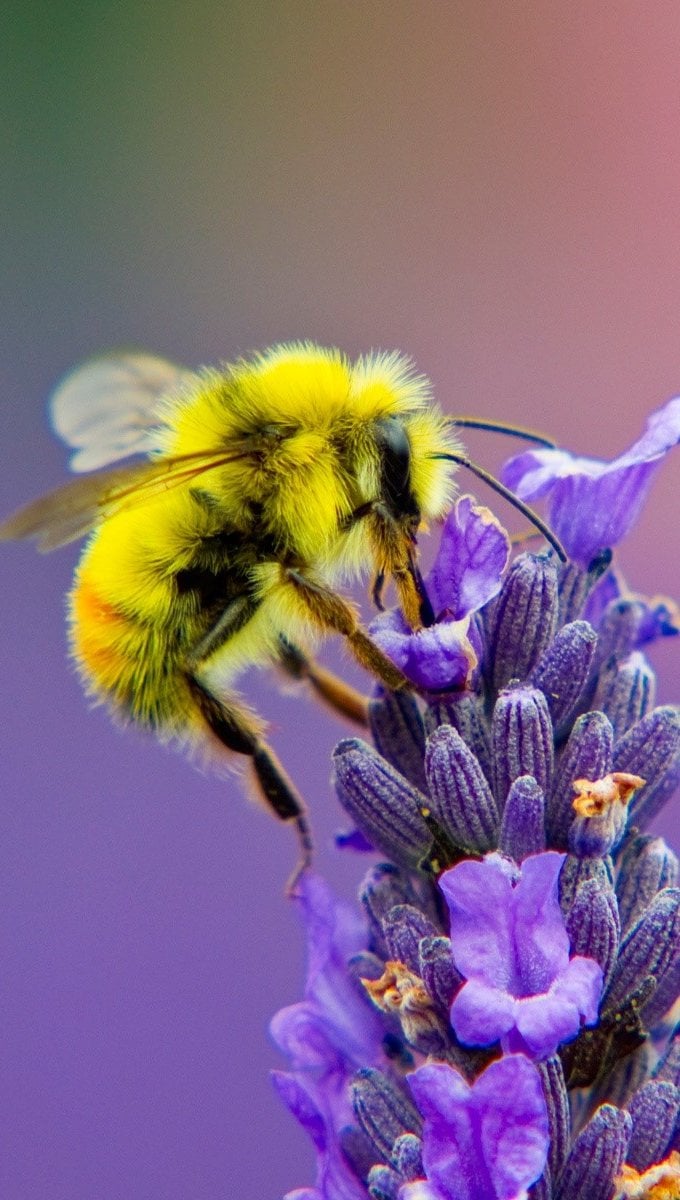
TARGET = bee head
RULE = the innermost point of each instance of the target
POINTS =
(394, 451)
(395, 520)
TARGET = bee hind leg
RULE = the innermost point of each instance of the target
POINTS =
(330, 688)
(236, 729)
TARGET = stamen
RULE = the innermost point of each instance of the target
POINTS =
(595, 796)
(660, 1182)
(402, 993)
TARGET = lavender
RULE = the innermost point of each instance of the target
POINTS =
(496, 1021)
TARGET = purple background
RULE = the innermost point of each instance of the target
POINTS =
(493, 188)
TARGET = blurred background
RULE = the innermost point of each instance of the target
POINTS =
(492, 188)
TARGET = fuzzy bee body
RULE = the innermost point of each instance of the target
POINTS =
(264, 485)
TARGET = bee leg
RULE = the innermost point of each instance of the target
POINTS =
(337, 694)
(333, 613)
(237, 613)
(237, 730)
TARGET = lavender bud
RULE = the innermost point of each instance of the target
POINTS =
(625, 692)
(651, 949)
(383, 1183)
(586, 755)
(654, 1112)
(385, 806)
(576, 871)
(563, 671)
(523, 618)
(622, 1082)
(653, 744)
(523, 825)
(653, 801)
(646, 866)
(575, 585)
(522, 740)
(357, 1150)
(596, 1157)
(460, 796)
(383, 888)
(383, 1111)
(403, 928)
(465, 712)
(618, 629)
(593, 925)
(668, 988)
(407, 1156)
(669, 1065)
(555, 1091)
(397, 729)
(436, 969)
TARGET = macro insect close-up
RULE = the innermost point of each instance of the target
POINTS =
(340, 743)
(264, 485)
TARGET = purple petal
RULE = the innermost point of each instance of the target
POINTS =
(333, 1014)
(437, 658)
(512, 946)
(593, 503)
(451, 1152)
(543, 1023)
(472, 557)
(607, 589)
(661, 618)
(481, 1015)
(355, 840)
(514, 1124)
(485, 1142)
(479, 897)
(582, 983)
(299, 1102)
(301, 1033)
(335, 1178)
(418, 1190)
(540, 935)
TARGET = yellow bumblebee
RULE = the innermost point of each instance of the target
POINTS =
(264, 484)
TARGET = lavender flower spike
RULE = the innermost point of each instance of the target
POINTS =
(476, 985)
(593, 504)
(467, 572)
(488, 1141)
(326, 1037)
(510, 942)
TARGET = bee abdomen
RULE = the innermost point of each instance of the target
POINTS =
(130, 664)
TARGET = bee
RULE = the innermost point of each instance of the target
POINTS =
(265, 484)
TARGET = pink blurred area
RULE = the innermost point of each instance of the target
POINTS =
(492, 188)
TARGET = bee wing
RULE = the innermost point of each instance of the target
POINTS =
(72, 510)
(107, 408)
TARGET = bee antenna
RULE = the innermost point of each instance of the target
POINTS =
(517, 431)
(536, 521)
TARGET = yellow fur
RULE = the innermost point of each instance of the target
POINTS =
(298, 426)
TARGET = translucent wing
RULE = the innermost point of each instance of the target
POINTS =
(72, 510)
(107, 408)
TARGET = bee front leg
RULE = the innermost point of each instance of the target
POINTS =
(333, 613)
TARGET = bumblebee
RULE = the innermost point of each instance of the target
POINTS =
(264, 485)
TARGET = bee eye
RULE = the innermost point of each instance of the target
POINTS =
(395, 472)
